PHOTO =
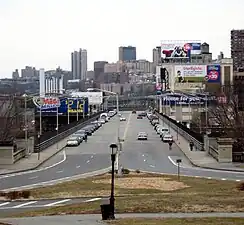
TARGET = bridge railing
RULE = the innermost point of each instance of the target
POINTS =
(197, 144)
(51, 141)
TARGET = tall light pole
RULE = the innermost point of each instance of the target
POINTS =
(26, 129)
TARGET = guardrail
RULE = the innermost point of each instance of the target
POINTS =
(214, 152)
(197, 144)
(45, 144)
(21, 153)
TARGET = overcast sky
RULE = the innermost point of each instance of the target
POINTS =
(43, 33)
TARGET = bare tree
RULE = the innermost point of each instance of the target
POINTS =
(10, 118)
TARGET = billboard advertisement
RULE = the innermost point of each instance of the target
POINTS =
(177, 99)
(65, 106)
(179, 49)
(94, 98)
(213, 74)
(190, 73)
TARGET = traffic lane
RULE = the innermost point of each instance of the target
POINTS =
(53, 160)
(151, 153)
(15, 207)
(98, 142)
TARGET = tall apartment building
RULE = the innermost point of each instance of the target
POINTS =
(237, 49)
(127, 53)
(79, 64)
(156, 57)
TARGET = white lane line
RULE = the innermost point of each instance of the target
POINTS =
(209, 178)
(58, 202)
(87, 161)
(4, 203)
(209, 170)
(142, 155)
(31, 178)
(223, 179)
(60, 171)
(144, 160)
(24, 204)
(37, 170)
(92, 200)
(77, 167)
(92, 156)
(238, 180)
(152, 166)
(127, 126)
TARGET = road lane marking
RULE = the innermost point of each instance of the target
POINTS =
(93, 200)
(92, 156)
(77, 167)
(58, 202)
(87, 161)
(60, 180)
(152, 166)
(37, 170)
(142, 155)
(31, 178)
(238, 180)
(4, 203)
(223, 179)
(209, 178)
(144, 160)
(24, 204)
(60, 171)
(127, 126)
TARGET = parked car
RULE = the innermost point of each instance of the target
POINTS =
(79, 136)
(167, 138)
(134, 111)
(139, 117)
(72, 141)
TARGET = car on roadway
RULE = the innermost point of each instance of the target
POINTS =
(167, 138)
(122, 118)
(144, 114)
(102, 121)
(88, 130)
(149, 114)
(96, 122)
(142, 136)
(163, 131)
(82, 132)
(139, 117)
(72, 141)
(79, 136)
(155, 121)
(133, 111)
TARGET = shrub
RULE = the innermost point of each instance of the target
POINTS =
(240, 186)
(138, 171)
(26, 194)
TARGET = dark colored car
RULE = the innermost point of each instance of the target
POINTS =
(134, 111)
(139, 117)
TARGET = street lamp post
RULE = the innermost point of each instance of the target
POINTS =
(25, 129)
(39, 142)
(114, 149)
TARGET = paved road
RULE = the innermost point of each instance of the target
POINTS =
(8, 207)
(153, 155)
(91, 156)
(96, 219)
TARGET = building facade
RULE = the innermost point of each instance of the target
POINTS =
(127, 53)
(79, 64)
(237, 49)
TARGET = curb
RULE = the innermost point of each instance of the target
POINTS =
(207, 167)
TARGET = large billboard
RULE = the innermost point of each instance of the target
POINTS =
(65, 105)
(179, 49)
(94, 98)
(213, 73)
(190, 73)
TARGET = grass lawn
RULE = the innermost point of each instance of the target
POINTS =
(181, 221)
(147, 193)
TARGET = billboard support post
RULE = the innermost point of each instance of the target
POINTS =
(77, 108)
(68, 110)
(83, 108)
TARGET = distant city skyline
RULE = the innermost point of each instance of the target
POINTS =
(34, 34)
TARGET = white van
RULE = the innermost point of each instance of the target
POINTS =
(104, 116)
(163, 131)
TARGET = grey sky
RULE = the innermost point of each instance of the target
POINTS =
(43, 33)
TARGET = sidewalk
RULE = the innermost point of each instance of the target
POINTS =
(32, 162)
(202, 158)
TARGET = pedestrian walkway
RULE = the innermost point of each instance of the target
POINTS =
(200, 158)
(95, 219)
(32, 161)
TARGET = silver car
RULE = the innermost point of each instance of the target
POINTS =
(72, 141)
(142, 136)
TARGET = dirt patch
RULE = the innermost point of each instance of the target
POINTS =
(158, 183)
